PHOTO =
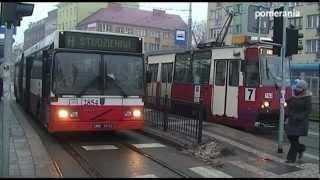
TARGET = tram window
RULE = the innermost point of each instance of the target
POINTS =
(201, 70)
(74, 76)
(166, 72)
(126, 72)
(220, 73)
(234, 73)
(252, 73)
(36, 72)
(183, 69)
(153, 68)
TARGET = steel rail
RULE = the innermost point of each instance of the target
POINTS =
(163, 164)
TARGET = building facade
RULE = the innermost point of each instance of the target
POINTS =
(156, 27)
(70, 14)
(40, 29)
(244, 23)
(34, 33)
(51, 23)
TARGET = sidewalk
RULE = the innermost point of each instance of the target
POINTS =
(27, 155)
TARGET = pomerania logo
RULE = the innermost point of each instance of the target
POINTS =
(293, 13)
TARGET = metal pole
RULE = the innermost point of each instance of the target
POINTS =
(190, 26)
(282, 98)
(4, 156)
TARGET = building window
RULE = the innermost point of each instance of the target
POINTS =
(296, 22)
(237, 29)
(166, 35)
(211, 33)
(120, 29)
(312, 46)
(313, 21)
(128, 30)
(145, 46)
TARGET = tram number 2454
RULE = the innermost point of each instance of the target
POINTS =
(91, 102)
(250, 94)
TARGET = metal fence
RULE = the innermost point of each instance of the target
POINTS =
(176, 117)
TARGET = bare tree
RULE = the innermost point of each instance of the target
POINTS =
(199, 32)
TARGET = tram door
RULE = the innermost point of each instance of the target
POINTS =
(152, 85)
(226, 88)
(166, 79)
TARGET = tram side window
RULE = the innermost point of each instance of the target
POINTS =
(36, 72)
(166, 72)
(201, 70)
(252, 77)
(183, 69)
(220, 73)
(234, 73)
(153, 68)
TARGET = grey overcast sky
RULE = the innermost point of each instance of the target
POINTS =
(199, 12)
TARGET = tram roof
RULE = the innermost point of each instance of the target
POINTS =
(173, 51)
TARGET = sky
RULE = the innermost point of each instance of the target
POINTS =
(199, 12)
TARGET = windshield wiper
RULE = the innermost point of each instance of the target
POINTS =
(115, 82)
(88, 85)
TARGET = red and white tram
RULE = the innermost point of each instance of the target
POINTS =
(83, 81)
(238, 85)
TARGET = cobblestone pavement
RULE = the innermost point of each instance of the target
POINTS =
(27, 155)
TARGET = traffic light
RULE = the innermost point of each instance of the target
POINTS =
(292, 41)
(12, 13)
(277, 31)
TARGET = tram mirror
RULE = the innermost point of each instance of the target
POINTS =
(148, 76)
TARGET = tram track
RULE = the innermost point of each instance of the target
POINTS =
(158, 161)
(93, 171)
(84, 164)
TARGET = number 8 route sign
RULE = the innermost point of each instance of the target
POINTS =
(250, 94)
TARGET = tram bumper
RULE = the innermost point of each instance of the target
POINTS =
(95, 126)
(268, 119)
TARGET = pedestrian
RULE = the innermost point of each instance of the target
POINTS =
(299, 108)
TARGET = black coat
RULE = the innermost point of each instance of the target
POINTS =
(299, 108)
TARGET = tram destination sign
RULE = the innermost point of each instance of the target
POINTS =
(102, 42)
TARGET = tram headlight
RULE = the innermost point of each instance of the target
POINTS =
(136, 113)
(265, 104)
(63, 113)
(285, 104)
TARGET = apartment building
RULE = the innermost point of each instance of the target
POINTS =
(38, 30)
(71, 13)
(245, 23)
(156, 27)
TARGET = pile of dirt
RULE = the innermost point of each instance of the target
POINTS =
(209, 152)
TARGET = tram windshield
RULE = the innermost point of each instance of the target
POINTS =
(270, 70)
(96, 74)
